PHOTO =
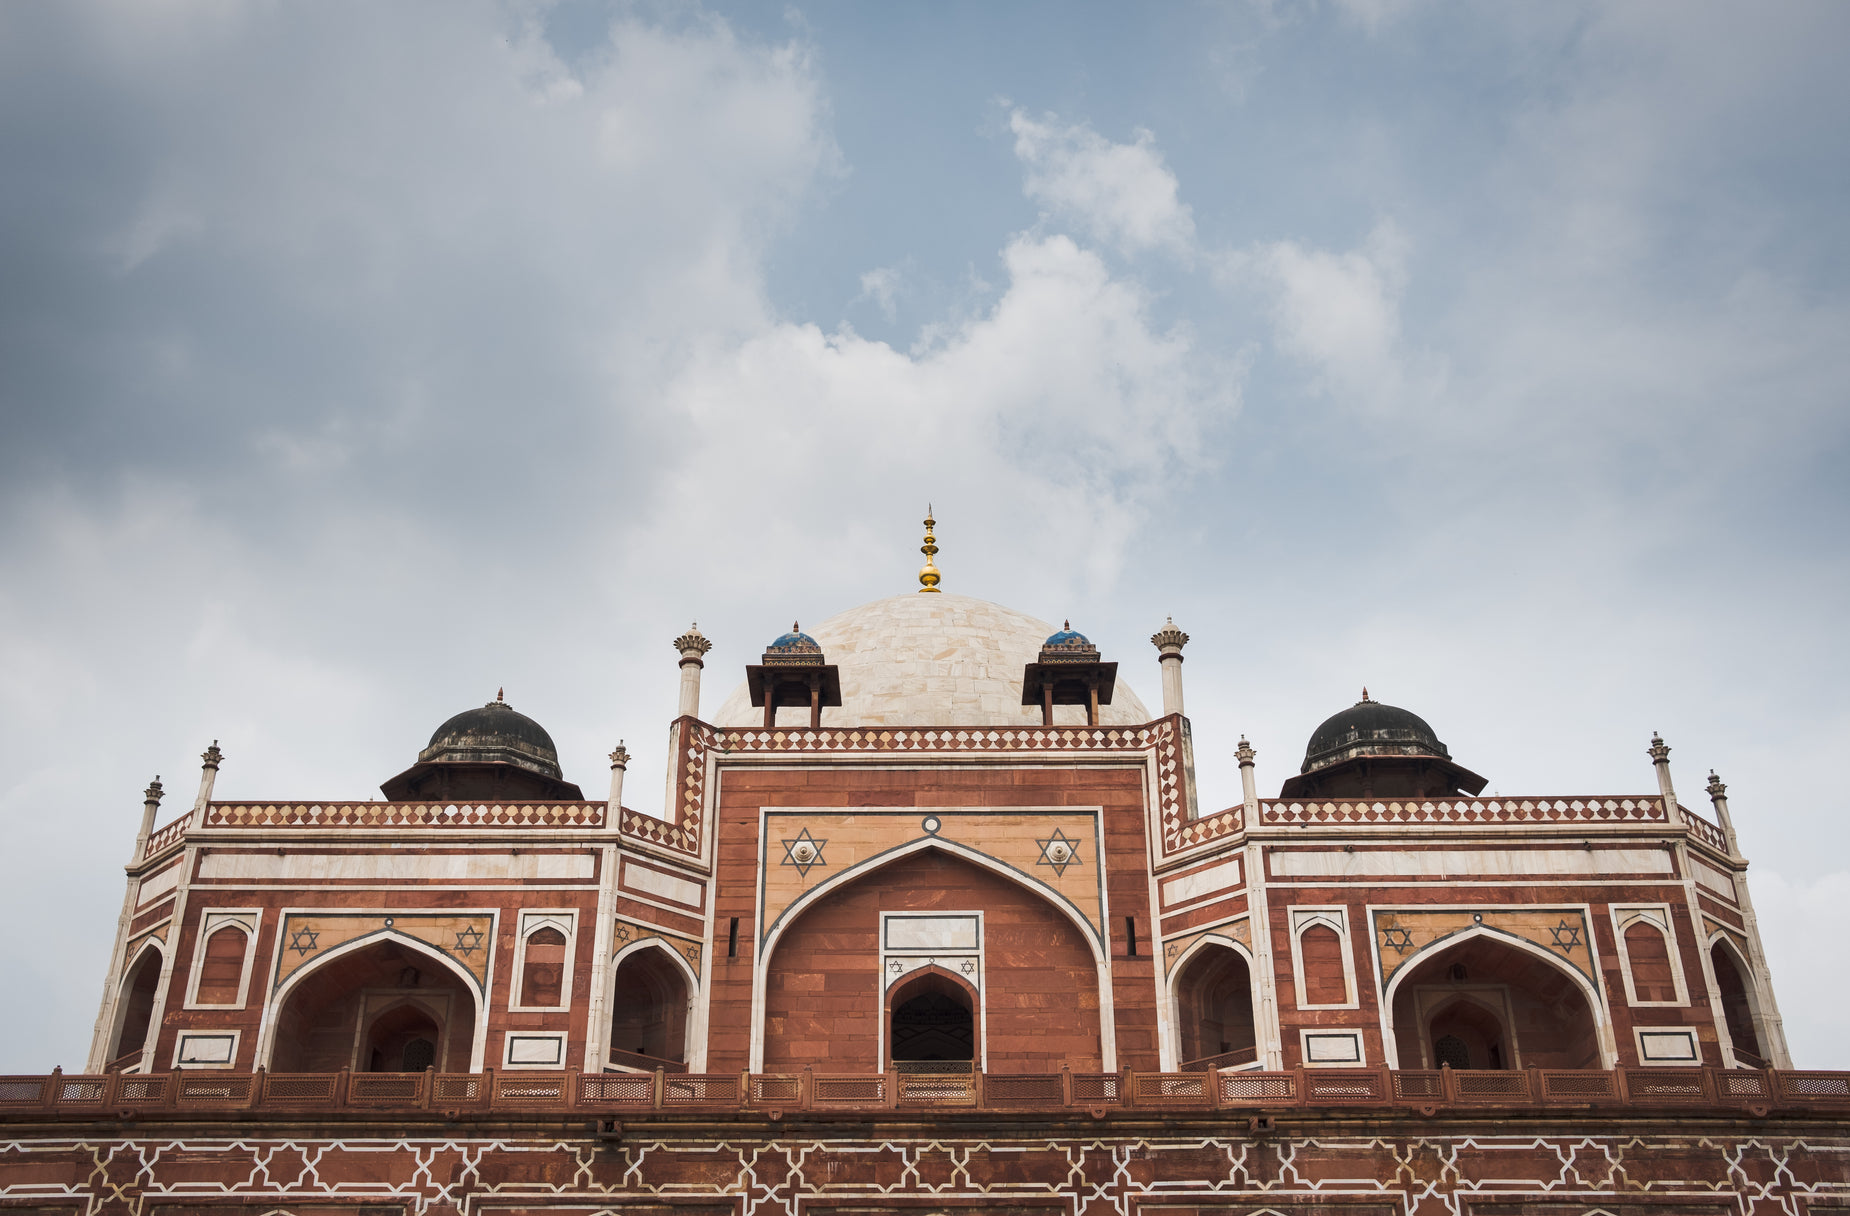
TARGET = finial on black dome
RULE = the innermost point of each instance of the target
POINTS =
(1364, 692)
(501, 695)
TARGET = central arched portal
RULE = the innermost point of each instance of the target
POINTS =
(1034, 1001)
(385, 1007)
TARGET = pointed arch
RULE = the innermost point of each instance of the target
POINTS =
(652, 951)
(1741, 1011)
(1602, 1020)
(279, 997)
(1179, 978)
(149, 959)
(921, 984)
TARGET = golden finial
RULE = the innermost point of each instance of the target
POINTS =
(928, 573)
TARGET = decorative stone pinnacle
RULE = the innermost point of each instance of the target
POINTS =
(1169, 640)
(692, 644)
(1364, 692)
(928, 573)
(211, 756)
(1659, 750)
(153, 792)
(1716, 788)
(1245, 752)
(621, 757)
(501, 695)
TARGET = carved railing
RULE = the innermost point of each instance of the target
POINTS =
(1704, 831)
(169, 836)
(346, 815)
(1064, 1093)
(930, 738)
(1461, 812)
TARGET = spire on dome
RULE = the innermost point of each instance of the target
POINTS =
(928, 573)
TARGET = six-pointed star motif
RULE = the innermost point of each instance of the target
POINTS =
(803, 851)
(1565, 944)
(1058, 851)
(468, 941)
(1397, 937)
(302, 941)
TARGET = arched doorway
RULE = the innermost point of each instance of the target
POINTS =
(1737, 1004)
(387, 1006)
(135, 1011)
(1488, 1003)
(822, 989)
(649, 1008)
(931, 1019)
(1214, 1008)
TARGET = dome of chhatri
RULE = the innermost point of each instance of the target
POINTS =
(1373, 750)
(935, 660)
(794, 642)
(1067, 637)
(1370, 728)
(495, 732)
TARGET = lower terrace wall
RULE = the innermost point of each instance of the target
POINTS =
(1322, 1164)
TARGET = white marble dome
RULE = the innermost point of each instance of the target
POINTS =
(933, 660)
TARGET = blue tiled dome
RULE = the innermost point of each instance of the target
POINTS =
(1067, 637)
(794, 642)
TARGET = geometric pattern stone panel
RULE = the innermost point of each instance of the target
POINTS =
(1396, 1170)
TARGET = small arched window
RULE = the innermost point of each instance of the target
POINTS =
(221, 967)
(542, 979)
(1653, 982)
(1325, 979)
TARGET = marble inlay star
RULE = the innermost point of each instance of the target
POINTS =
(804, 852)
(1571, 940)
(1058, 851)
(302, 941)
(468, 941)
(1397, 937)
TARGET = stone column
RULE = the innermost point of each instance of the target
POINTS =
(208, 776)
(1660, 760)
(1767, 1022)
(1659, 752)
(1249, 791)
(105, 1016)
(1169, 642)
(619, 763)
(150, 806)
(692, 646)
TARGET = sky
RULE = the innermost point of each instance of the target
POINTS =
(358, 360)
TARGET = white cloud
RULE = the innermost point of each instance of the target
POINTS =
(1060, 413)
(880, 286)
(1122, 194)
(1339, 315)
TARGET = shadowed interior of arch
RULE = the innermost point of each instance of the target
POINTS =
(1214, 1005)
(930, 1019)
(366, 1009)
(649, 1007)
(1484, 1003)
(137, 1009)
(1737, 1009)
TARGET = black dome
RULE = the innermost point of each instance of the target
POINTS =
(1373, 750)
(496, 731)
(491, 754)
(1370, 728)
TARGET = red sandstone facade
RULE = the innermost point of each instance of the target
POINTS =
(994, 964)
